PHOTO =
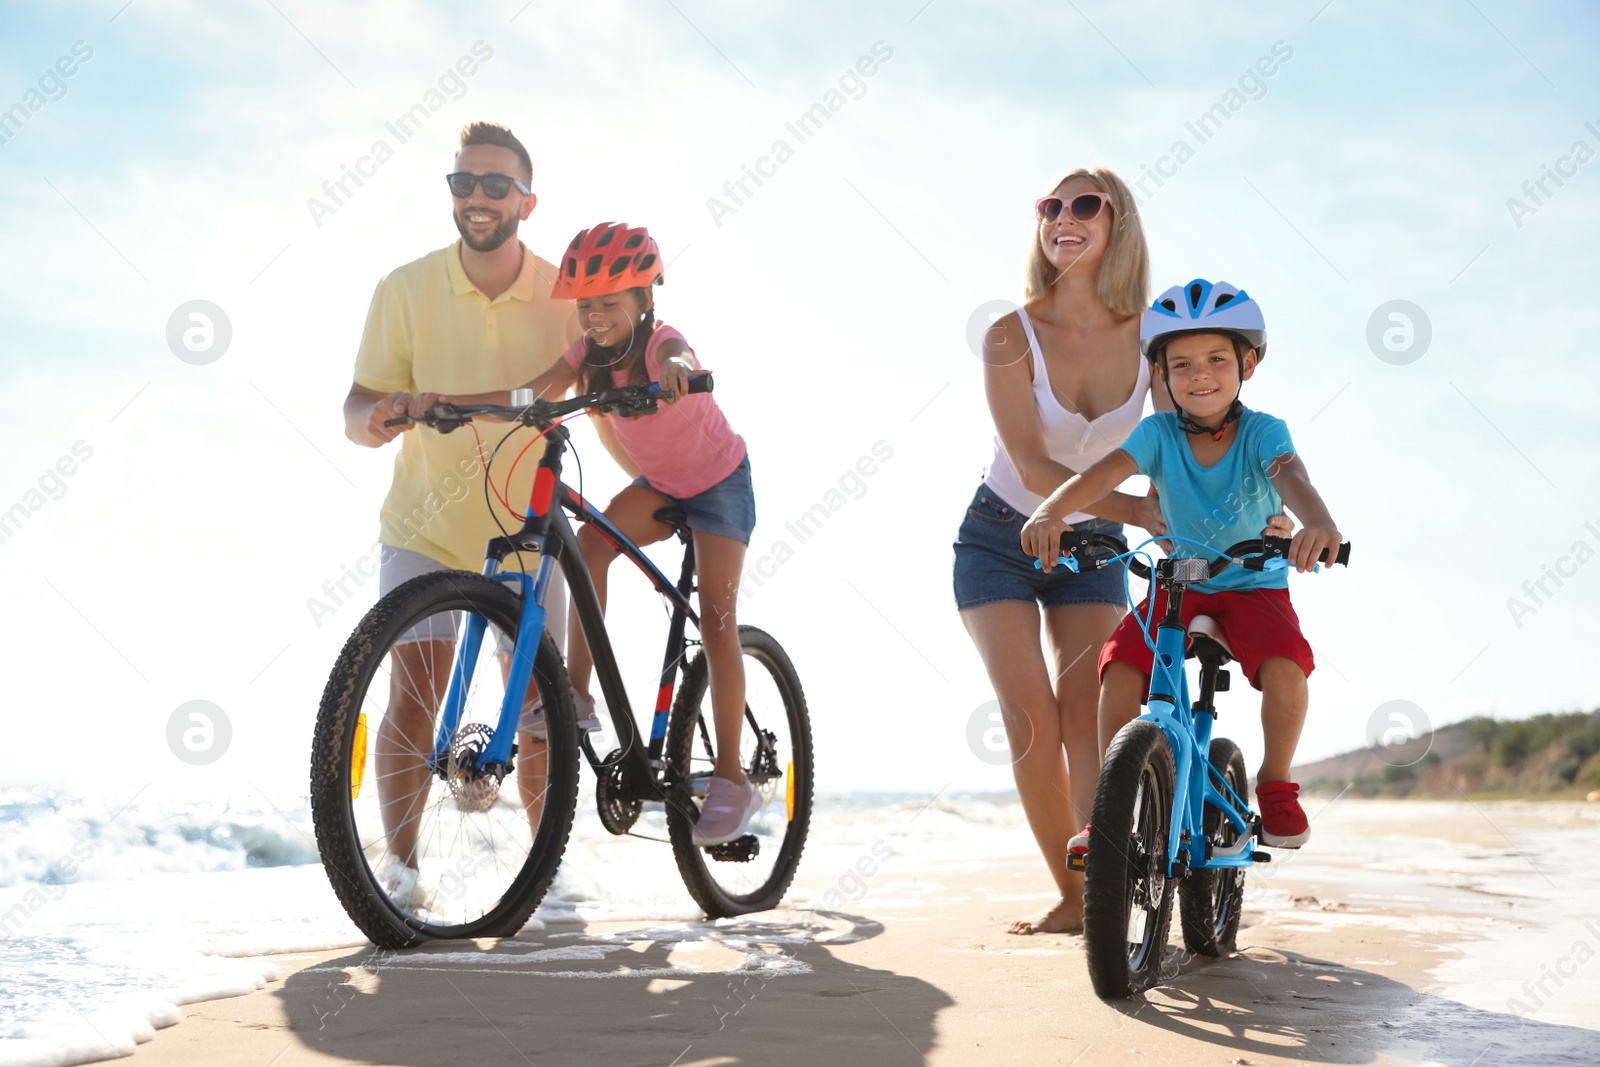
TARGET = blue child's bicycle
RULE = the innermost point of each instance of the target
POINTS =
(1169, 808)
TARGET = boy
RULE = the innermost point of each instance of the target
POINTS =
(1221, 470)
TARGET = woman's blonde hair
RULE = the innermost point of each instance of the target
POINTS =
(1124, 282)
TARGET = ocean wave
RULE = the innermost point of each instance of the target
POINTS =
(50, 838)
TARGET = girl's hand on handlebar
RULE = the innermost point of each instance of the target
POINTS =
(1309, 544)
(1041, 537)
(675, 378)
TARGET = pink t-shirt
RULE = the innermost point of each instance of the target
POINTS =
(684, 448)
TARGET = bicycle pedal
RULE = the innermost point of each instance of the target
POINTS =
(1077, 863)
(1261, 857)
(739, 850)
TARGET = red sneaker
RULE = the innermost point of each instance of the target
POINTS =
(1283, 821)
(1079, 844)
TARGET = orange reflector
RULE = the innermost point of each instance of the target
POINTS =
(788, 791)
(358, 756)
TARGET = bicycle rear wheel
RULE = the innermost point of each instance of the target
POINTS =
(753, 872)
(409, 857)
(1127, 896)
(1209, 900)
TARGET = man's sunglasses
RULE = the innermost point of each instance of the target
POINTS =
(495, 186)
(1083, 207)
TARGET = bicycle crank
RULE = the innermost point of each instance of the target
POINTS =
(617, 813)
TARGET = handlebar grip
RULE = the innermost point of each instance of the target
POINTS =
(1343, 556)
(401, 421)
(701, 384)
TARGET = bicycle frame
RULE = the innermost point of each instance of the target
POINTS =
(1188, 731)
(546, 530)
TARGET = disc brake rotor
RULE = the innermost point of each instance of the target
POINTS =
(473, 790)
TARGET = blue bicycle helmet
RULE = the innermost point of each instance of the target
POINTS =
(1203, 307)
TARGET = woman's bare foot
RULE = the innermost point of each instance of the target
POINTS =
(1065, 917)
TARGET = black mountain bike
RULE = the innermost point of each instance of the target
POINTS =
(436, 678)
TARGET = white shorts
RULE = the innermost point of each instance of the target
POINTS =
(396, 566)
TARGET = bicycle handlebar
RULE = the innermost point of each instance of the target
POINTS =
(1256, 554)
(624, 399)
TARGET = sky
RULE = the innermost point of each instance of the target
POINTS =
(1383, 159)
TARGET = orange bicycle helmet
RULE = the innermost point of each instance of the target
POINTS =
(608, 258)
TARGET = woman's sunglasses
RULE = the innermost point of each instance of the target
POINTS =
(495, 186)
(1083, 207)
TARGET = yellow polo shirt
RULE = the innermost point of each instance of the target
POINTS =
(430, 330)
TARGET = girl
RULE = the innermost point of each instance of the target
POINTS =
(685, 454)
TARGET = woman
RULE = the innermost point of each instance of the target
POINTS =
(1066, 385)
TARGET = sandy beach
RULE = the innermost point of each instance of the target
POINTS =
(1412, 933)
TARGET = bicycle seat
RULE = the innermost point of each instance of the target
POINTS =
(674, 517)
(1206, 640)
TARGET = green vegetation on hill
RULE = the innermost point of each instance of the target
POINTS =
(1548, 755)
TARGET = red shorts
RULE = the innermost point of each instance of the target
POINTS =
(1258, 623)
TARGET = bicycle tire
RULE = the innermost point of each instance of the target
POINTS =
(334, 814)
(1210, 899)
(1126, 891)
(717, 900)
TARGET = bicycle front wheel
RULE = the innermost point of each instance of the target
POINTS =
(753, 872)
(1127, 896)
(416, 848)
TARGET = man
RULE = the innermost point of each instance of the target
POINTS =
(470, 318)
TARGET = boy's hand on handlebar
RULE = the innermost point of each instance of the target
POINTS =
(1041, 536)
(1309, 545)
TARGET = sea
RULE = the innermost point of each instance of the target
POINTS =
(118, 910)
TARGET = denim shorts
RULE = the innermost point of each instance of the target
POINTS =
(991, 566)
(727, 509)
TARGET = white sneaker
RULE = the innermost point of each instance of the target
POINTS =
(532, 721)
(400, 883)
(727, 812)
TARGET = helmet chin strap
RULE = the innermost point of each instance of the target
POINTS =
(1185, 420)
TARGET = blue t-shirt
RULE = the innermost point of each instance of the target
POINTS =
(1220, 505)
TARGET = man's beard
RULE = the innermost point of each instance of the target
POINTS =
(504, 230)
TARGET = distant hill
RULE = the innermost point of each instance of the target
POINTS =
(1550, 755)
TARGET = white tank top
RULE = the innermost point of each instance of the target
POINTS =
(1069, 438)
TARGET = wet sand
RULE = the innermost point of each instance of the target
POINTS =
(1408, 934)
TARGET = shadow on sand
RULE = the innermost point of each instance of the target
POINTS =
(1265, 1002)
(758, 990)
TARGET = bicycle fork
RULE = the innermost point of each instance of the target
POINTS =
(1194, 783)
